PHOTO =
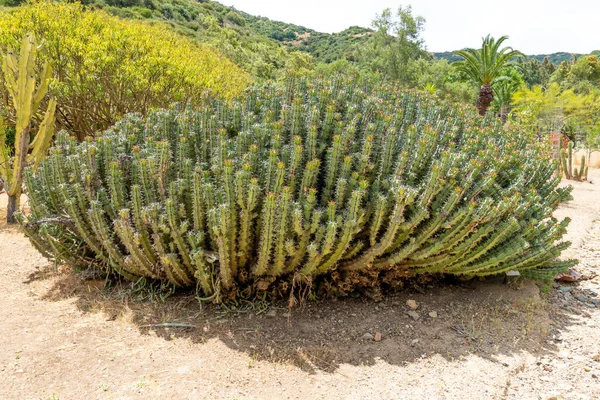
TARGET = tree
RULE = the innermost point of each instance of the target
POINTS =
(395, 42)
(583, 76)
(485, 66)
(536, 72)
(554, 110)
(504, 89)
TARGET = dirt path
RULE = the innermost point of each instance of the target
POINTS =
(62, 337)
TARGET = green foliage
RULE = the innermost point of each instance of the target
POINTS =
(394, 44)
(26, 99)
(535, 72)
(550, 110)
(105, 67)
(583, 76)
(330, 185)
(504, 90)
(553, 58)
(236, 18)
(231, 32)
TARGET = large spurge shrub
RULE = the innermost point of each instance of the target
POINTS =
(105, 67)
(327, 183)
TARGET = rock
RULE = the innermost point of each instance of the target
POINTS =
(287, 315)
(367, 336)
(272, 313)
(378, 336)
(414, 342)
(413, 315)
(591, 305)
(433, 314)
(582, 298)
(564, 289)
(595, 301)
(412, 304)
(587, 369)
(571, 276)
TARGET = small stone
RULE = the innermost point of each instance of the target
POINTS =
(582, 298)
(19, 371)
(367, 336)
(413, 315)
(414, 342)
(587, 369)
(412, 304)
(286, 315)
(595, 301)
(564, 289)
(591, 305)
(378, 336)
(433, 314)
(272, 313)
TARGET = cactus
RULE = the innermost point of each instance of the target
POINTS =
(566, 164)
(19, 76)
(333, 185)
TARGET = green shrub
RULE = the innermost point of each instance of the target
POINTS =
(329, 185)
(236, 18)
(105, 67)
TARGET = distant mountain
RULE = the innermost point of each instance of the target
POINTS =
(555, 58)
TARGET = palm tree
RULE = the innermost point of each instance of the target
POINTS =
(485, 66)
(503, 92)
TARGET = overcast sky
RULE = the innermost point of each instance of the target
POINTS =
(534, 26)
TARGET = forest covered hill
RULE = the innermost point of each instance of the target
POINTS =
(554, 58)
(257, 43)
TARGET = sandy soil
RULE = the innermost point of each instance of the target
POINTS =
(65, 337)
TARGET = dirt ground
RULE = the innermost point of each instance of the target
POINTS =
(65, 337)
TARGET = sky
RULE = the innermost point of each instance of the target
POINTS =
(533, 26)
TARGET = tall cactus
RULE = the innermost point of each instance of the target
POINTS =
(332, 185)
(20, 82)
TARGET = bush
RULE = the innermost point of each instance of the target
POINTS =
(235, 18)
(105, 67)
(328, 185)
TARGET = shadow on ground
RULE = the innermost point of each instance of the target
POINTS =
(487, 318)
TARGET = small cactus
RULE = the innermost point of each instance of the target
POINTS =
(566, 163)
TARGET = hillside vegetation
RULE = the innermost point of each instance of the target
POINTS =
(105, 67)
